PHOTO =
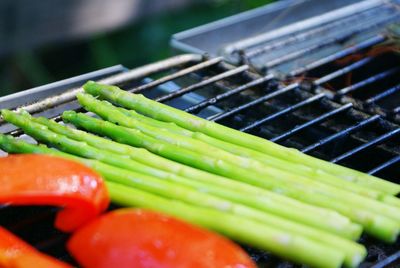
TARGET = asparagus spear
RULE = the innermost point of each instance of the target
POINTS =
(379, 225)
(221, 186)
(112, 114)
(349, 248)
(79, 148)
(374, 223)
(169, 114)
(295, 168)
(353, 252)
(242, 230)
(257, 173)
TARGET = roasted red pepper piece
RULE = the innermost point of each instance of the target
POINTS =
(47, 180)
(146, 239)
(15, 253)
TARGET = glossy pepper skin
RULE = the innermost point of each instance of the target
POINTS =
(15, 253)
(145, 239)
(47, 180)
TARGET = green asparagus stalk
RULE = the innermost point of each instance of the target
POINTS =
(353, 252)
(349, 248)
(295, 168)
(394, 201)
(378, 225)
(266, 238)
(18, 146)
(41, 133)
(221, 186)
(79, 148)
(374, 223)
(270, 176)
(169, 114)
(242, 230)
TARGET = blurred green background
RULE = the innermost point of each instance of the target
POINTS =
(143, 41)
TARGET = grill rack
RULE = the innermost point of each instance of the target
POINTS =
(290, 114)
(370, 83)
(305, 41)
(286, 35)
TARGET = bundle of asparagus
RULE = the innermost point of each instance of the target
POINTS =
(252, 190)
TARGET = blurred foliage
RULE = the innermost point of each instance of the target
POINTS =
(142, 42)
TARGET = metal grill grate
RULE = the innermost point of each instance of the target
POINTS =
(366, 75)
(304, 44)
(289, 114)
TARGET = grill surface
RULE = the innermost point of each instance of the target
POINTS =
(290, 114)
(328, 86)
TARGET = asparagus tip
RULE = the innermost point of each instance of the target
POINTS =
(67, 115)
(90, 87)
(5, 112)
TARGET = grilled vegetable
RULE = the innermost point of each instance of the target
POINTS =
(270, 166)
(147, 239)
(223, 187)
(376, 224)
(15, 253)
(242, 230)
(113, 114)
(192, 196)
(169, 114)
(376, 221)
(240, 191)
(294, 168)
(45, 180)
(292, 247)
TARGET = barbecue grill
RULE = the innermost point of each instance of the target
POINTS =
(313, 84)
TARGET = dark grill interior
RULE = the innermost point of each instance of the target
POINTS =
(35, 226)
(371, 83)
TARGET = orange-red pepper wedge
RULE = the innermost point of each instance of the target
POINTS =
(145, 239)
(15, 253)
(46, 180)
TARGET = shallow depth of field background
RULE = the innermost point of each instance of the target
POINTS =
(30, 56)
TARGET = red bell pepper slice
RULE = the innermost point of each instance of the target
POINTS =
(48, 180)
(146, 239)
(15, 253)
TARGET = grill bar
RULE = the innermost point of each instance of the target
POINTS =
(284, 111)
(177, 74)
(312, 122)
(116, 79)
(388, 261)
(366, 145)
(343, 71)
(388, 163)
(203, 83)
(342, 133)
(383, 94)
(229, 93)
(303, 25)
(254, 102)
(327, 42)
(368, 81)
(303, 36)
(341, 54)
